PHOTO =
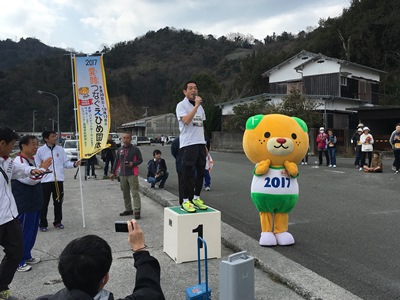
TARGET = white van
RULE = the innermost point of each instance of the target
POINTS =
(116, 139)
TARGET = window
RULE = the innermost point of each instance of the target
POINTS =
(343, 81)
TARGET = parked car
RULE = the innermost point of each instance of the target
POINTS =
(71, 148)
(143, 140)
(140, 140)
(116, 139)
(171, 139)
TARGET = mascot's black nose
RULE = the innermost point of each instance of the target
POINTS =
(281, 141)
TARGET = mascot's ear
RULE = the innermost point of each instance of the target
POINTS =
(302, 124)
(253, 121)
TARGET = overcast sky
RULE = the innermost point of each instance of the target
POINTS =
(86, 25)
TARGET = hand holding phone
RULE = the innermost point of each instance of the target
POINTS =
(121, 226)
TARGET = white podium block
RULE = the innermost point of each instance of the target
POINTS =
(181, 230)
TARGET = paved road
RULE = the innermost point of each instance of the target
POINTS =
(346, 222)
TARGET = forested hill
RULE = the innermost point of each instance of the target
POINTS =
(14, 54)
(149, 70)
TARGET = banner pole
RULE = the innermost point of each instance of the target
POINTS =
(76, 134)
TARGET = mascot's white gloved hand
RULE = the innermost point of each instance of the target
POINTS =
(262, 167)
(291, 168)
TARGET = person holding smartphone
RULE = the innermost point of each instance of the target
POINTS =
(127, 164)
(90, 257)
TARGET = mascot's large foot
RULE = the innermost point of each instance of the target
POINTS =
(267, 239)
(284, 239)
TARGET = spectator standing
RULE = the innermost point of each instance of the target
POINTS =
(177, 153)
(90, 166)
(85, 263)
(108, 155)
(163, 140)
(376, 164)
(357, 146)
(10, 228)
(157, 170)
(53, 183)
(367, 142)
(321, 145)
(331, 146)
(28, 196)
(191, 117)
(127, 164)
(207, 176)
(395, 142)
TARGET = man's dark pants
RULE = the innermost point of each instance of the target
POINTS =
(194, 156)
(12, 242)
(49, 188)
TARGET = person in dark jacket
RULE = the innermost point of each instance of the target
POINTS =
(157, 170)
(84, 267)
(108, 156)
(357, 146)
(127, 164)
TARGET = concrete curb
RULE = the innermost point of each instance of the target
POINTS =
(301, 280)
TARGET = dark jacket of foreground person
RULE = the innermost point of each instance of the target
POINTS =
(147, 283)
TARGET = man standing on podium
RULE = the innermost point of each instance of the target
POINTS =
(191, 116)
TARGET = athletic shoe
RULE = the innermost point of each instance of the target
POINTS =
(334, 166)
(397, 172)
(59, 226)
(6, 295)
(199, 204)
(302, 163)
(330, 166)
(188, 207)
(24, 268)
(207, 188)
(305, 163)
(33, 261)
(360, 169)
(43, 229)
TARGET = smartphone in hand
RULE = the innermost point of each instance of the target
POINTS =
(121, 226)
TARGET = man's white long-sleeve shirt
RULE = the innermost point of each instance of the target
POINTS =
(60, 162)
(8, 207)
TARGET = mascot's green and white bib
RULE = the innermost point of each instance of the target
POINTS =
(274, 191)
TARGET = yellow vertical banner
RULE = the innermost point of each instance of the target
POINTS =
(93, 108)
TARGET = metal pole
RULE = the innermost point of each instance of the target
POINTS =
(58, 111)
(33, 122)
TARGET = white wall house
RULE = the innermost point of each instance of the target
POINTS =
(154, 126)
(338, 86)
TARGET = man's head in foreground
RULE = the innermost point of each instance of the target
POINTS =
(84, 264)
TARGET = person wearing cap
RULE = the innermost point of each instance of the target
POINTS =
(367, 142)
(321, 144)
(357, 146)
(395, 143)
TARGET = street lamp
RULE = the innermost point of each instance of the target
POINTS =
(52, 123)
(33, 122)
(58, 110)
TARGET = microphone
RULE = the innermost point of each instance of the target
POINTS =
(194, 96)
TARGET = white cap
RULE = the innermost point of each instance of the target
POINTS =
(360, 125)
(366, 128)
(359, 130)
(322, 128)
